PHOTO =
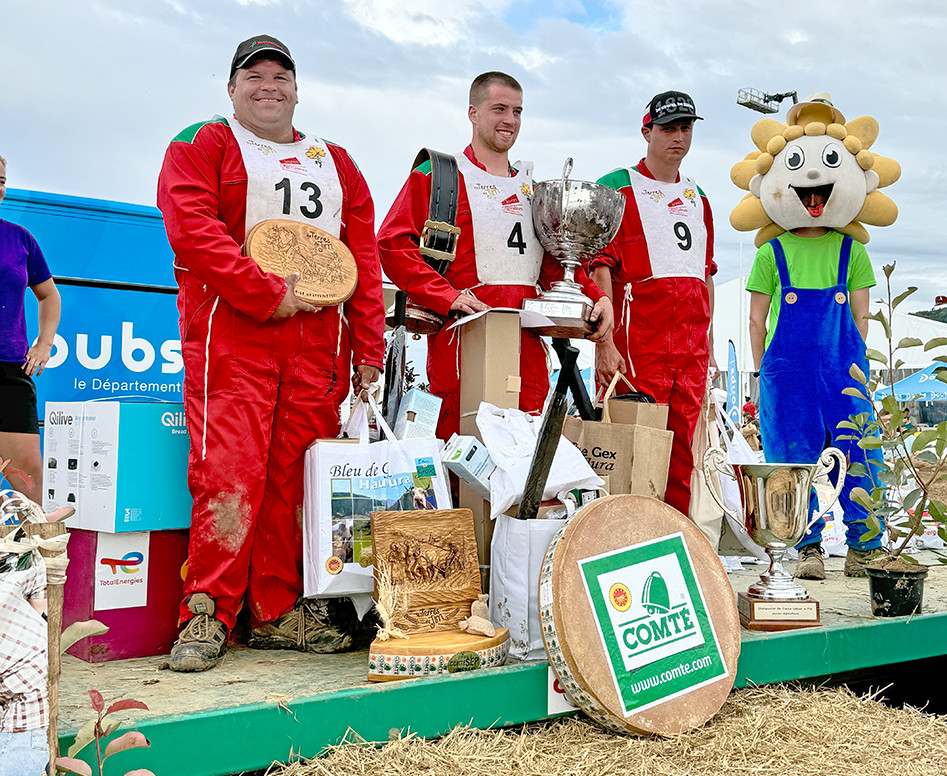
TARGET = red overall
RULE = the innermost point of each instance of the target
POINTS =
(661, 329)
(398, 246)
(257, 392)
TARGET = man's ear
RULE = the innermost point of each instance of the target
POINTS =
(646, 134)
(230, 90)
(472, 113)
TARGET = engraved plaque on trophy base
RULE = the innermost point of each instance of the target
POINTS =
(570, 319)
(756, 614)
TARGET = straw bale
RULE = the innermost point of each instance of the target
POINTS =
(766, 731)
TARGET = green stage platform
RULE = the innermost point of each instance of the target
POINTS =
(261, 706)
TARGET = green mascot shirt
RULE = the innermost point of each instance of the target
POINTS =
(812, 263)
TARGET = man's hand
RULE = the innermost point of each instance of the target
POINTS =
(603, 314)
(467, 303)
(291, 303)
(608, 361)
(363, 377)
(36, 359)
(714, 370)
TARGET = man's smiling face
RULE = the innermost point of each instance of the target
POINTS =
(264, 96)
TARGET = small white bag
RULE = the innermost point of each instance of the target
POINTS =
(510, 435)
(516, 558)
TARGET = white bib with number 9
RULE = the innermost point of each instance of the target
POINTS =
(507, 249)
(672, 216)
(297, 181)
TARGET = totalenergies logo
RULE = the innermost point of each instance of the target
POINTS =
(129, 563)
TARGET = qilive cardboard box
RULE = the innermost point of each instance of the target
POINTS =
(130, 582)
(121, 464)
(469, 459)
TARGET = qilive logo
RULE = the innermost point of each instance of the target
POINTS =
(653, 621)
(175, 421)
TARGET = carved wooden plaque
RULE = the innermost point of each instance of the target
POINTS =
(328, 274)
(430, 556)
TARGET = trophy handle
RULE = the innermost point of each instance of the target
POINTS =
(714, 460)
(827, 461)
(566, 172)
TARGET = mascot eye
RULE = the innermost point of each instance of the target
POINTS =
(794, 157)
(831, 155)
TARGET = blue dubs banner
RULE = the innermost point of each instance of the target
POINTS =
(110, 344)
(734, 405)
(116, 336)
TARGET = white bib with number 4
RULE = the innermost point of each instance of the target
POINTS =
(672, 216)
(507, 249)
(297, 181)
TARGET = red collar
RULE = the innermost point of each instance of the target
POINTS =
(643, 169)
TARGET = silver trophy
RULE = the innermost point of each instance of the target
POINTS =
(574, 220)
(775, 501)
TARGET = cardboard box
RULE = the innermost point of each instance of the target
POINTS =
(469, 459)
(489, 363)
(132, 583)
(468, 498)
(122, 465)
(417, 415)
(638, 413)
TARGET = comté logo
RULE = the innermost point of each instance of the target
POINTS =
(128, 563)
(620, 597)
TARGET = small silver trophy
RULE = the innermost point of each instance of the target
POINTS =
(574, 220)
(775, 500)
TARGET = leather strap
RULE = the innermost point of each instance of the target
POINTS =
(438, 242)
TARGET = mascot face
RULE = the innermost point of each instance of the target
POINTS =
(814, 181)
(814, 170)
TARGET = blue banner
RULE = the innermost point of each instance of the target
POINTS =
(734, 405)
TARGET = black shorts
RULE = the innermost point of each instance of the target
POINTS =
(17, 400)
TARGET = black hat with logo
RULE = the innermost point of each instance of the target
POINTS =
(669, 106)
(261, 47)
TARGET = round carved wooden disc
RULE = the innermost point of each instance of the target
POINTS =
(327, 269)
(638, 617)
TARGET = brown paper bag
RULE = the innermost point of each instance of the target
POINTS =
(633, 458)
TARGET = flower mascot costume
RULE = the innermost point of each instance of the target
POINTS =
(813, 183)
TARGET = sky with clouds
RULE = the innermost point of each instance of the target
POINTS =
(93, 91)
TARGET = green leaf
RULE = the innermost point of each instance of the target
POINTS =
(851, 391)
(937, 510)
(860, 496)
(902, 296)
(927, 456)
(899, 363)
(877, 355)
(856, 470)
(84, 737)
(110, 725)
(78, 631)
(848, 424)
(869, 443)
(937, 342)
(911, 499)
(923, 438)
(857, 373)
(889, 268)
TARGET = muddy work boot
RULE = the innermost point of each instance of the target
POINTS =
(856, 560)
(203, 640)
(810, 564)
(319, 625)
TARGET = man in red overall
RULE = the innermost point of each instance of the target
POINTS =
(658, 273)
(264, 371)
(499, 260)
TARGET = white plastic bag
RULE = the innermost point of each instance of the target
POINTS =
(510, 436)
(516, 558)
(738, 451)
(345, 482)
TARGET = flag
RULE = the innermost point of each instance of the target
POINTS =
(733, 387)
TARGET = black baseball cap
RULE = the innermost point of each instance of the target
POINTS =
(667, 107)
(261, 46)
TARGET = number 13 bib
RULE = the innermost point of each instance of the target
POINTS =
(672, 216)
(290, 180)
(507, 249)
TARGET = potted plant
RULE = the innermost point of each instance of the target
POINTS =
(913, 462)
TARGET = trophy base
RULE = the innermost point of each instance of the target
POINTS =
(774, 615)
(570, 319)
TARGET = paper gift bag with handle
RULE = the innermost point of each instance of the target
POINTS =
(635, 458)
(633, 408)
